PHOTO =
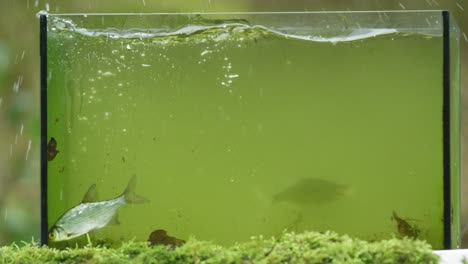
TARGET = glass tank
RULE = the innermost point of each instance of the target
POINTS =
(223, 126)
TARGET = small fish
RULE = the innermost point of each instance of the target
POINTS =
(310, 191)
(91, 215)
(404, 228)
(52, 149)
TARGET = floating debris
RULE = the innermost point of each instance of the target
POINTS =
(310, 191)
(52, 149)
(160, 237)
(404, 228)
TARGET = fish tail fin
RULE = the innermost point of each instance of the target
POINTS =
(129, 194)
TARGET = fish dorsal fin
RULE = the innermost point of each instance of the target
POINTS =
(91, 195)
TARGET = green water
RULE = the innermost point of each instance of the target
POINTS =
(219, 123)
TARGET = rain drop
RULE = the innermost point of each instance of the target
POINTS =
(29, 149)
(428, 22)
(17, 84)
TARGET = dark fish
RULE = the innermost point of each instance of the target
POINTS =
(310, 191)
(160, 237)
(404, 228)
(52, 149)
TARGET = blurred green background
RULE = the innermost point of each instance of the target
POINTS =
(19, 85)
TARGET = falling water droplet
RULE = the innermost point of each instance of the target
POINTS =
(47, 7)
(36, 3)
(21, 129)
(459, 6)
(17, 84)
(29, 148)
(463, 33)
(144, 3)
(401, 5)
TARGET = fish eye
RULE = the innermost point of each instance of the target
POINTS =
(51, 235)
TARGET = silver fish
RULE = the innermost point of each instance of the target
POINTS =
(91, 215)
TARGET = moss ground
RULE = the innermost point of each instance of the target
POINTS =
(308, 247)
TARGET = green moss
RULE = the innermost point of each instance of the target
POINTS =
(308, 247)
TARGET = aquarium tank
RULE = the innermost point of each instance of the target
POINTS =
(223, 126)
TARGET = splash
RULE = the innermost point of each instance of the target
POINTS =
(219, 32)
(42, 13)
